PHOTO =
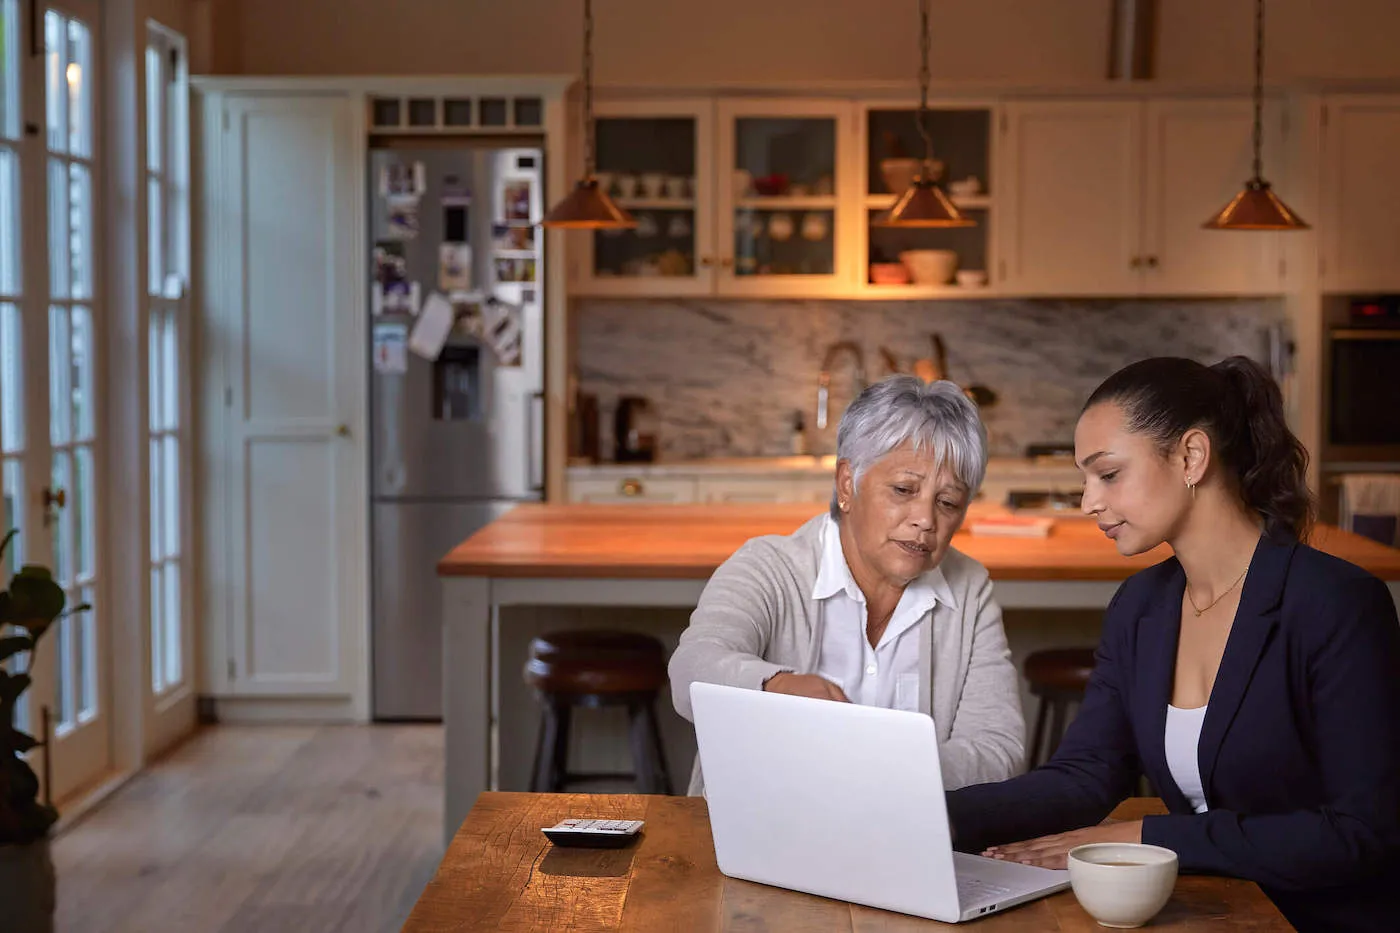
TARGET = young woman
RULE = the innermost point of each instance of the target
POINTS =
(1253, 679)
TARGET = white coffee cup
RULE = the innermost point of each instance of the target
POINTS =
(626, 186)
(654, 185)
(780, 226)
(814, 226)
(1122, 884)
(676, 186)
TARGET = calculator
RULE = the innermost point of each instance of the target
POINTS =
(593, 834)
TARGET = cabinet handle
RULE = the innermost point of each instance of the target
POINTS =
(727, 262)
(707, 261)
(1151, 262)
(1135, 262)
(631, 487)
(342, 431)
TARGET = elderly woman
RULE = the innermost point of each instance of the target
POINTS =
(869, 604)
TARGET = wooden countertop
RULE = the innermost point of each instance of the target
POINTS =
(500, 873)
(690, 541)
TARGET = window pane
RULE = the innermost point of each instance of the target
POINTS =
(170, 374)
(63, 686)
(80, 229)
(174, 669)
(59, 264)
(13, 496)
(78, 76)
(62, 525)
(155, 111)
(83, 502)
(157, 630)
(9, 222)
(60, 371)
(87, 655)
(9, 69)
(154, 368)
(155, 236)
(170, 537)
(11, 381)
(57, 98)
(84, 353)
(157, 500)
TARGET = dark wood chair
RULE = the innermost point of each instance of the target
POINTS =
(1058, 677)
(592, 669)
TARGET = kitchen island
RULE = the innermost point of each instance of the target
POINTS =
(661, 555)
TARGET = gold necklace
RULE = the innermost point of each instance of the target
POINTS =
(1218, 598)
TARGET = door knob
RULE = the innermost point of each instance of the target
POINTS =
(54, 498)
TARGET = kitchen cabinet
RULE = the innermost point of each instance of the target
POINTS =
(631, 488)
(1108, 197)
(732, 197)
(1360, 223)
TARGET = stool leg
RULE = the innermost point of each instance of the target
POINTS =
(639, 737)
(541, 774)
(1057, 725)
(1033, 759)
(662, 772)
(559, 760)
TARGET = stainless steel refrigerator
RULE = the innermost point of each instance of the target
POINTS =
(456, 441)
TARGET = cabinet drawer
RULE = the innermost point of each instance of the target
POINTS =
(632, 489)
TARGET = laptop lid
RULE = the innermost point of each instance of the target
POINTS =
(836, 799)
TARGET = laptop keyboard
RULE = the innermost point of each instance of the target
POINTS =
(975, 890)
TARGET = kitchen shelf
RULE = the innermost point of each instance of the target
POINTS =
(930, 292)
(656, 204)
(972, 202)
(783, 203)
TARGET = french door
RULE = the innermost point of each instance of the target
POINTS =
(50, 317)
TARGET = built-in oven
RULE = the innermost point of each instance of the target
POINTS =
(1362, 384)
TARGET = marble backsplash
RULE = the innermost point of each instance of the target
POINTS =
(726, 377)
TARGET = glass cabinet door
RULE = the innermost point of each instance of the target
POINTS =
(782, 174)
(655, 161)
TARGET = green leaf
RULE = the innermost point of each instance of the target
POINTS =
(22, 742)
(38, 571)
(5, 544)
(35, 600)
(12, 645)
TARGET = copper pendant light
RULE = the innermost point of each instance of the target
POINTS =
(1257, 207)
(588, 207)
(924, 204)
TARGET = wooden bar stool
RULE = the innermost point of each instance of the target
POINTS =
(595, 669)
(1058, 676)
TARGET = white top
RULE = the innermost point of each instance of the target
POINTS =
(888, 674)
(1182, 741)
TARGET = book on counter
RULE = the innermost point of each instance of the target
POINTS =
(1013, 526)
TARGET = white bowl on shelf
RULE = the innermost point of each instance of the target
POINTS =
(930, 266)
(972, 278)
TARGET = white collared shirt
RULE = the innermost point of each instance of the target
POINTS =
(888, 674)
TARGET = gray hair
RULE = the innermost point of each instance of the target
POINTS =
(934, 417)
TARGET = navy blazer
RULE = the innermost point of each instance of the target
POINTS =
(1299, 751)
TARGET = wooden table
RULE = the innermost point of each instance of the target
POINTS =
(661, 556)
(500, 873)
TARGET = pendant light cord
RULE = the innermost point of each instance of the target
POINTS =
(924, 77)
(1258, 89)
(588, 158)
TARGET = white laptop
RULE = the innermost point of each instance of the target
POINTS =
(844, 801)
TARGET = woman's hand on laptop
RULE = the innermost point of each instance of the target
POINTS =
(1050, 851)
(805, 685)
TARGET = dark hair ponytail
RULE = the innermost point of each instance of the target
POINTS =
(1240, 406)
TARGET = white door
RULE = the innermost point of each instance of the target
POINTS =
(1071, 189)
(50, 318)
(1199, 155)
(1360, 227)
(288, 329)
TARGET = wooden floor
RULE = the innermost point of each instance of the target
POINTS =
(262, 828)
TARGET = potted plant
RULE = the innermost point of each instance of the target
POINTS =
(29, 606)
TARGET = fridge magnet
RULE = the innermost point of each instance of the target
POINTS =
(403, 217)
(515, 270)
(501, 324)
(518, 239)
(432, 327)
(466, 312)
(399, 179)
(515, 202)
(390, 348)
(454, 191)
(392, 292)
(454, 266)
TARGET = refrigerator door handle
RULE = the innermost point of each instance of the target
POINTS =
(534, 432)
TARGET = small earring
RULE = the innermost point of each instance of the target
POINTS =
(1191, 486)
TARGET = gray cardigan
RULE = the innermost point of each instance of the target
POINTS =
(757, 617)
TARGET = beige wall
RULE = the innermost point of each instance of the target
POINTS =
(645, 42)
